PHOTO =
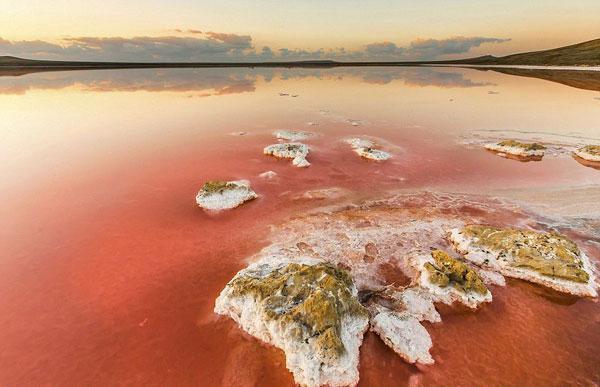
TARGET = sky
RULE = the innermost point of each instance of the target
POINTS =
(235, 30)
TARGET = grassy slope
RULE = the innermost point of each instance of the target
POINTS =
(586, 53)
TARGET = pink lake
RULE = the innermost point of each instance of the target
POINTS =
(109, 270)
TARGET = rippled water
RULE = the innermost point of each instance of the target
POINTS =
(109, 271)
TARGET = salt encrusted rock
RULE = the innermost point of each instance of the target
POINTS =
(310, 310)
(293, 135)
(222, 195)
(589, 153)
(548, 259)
(268, 175)
(290, 150)
(450, 280)
(365, 148)
(402, 332)
(517, 148)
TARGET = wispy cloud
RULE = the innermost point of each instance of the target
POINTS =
(218, 46)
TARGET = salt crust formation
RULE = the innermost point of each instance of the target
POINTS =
(290, 150)
(307, 308)
(548, 259)
(222, 195)
(394, 252)
(366, 148)
(516, 148)
(589, 153)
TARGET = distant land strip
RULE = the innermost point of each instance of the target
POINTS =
(586, 54)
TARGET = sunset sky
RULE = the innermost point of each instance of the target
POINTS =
(183, 30)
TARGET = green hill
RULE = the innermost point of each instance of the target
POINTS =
(581, 54)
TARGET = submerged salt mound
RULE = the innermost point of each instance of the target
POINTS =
(268, 175)
(310, 310)
(222, 195)
(589, 153)
(293, 135)
(549, 259)
(450, 280)
(366, 149)
(516, 148)
(290, 150)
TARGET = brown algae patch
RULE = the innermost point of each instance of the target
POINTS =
(313, 298)
(450, 271)
(216, 186)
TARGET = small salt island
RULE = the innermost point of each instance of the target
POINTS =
(520, 150)
(366, 149)
(219, 195)
(589, 153)
(290, 150)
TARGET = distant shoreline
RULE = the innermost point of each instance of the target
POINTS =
(578, 57)
(58, 66)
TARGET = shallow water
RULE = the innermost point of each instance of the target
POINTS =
(109, 271)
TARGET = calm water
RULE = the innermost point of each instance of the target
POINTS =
(109, 271)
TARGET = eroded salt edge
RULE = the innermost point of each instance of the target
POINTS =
(487, 258)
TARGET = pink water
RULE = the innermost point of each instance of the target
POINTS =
(109, 271)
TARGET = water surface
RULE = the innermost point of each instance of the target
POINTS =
(109, 271)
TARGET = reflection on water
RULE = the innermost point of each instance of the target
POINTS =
(219, 81)
(109, 271)
(587, 80)
(240, 80)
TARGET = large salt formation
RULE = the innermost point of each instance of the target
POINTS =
(309, 309)
(549, 259)
(391, 256)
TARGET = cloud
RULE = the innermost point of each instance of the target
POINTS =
(432, 48)
(218, 46)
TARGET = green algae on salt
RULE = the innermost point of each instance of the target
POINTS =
(312, 299)
(450, 271)
(550, 254)
(591, 149)
(216, 186)
(525, 146)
